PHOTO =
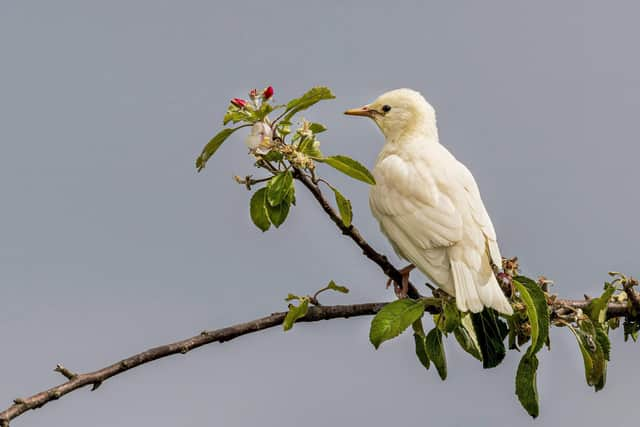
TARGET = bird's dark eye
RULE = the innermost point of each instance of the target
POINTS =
(386, 108)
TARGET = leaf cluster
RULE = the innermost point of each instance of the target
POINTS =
(299, 311)
(483, 335)
(283, 153)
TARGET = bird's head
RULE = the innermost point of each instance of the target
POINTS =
(400, 112)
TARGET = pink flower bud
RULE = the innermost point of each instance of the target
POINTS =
(268, 93)
(240, 103)
(253, 94)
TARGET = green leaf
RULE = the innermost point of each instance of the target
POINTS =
(278, 187)
(273, 156)
(344, 207)
(421, 350)
(630, 329)
(277, 214)
(466, 337)
(420, 340)
(258, 211)
(313, 96)
(334, 287)
(212, 146)
(235, 115)
(597, 309)
(284, 128)
(291, 195)
(451, 316)
(537, 311)
(317, 128)
(526, 388)
(538, 315)
(310, 146)
(605, 345)
(603, 341)
(435, 352)
(350, 167)
(295, 313)
(586, 355)
(491, 332)
(393, 319)
(592, 343)
(592, 354)
(614, 323)
(291, 297)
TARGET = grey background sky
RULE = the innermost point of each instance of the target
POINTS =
(110, 243)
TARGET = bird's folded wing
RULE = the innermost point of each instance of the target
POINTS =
(479, 212)
(411, 208)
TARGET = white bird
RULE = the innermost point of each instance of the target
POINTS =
(429, 206)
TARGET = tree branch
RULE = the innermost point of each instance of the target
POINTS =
(77, 381)
(351, 231)
(326, 312)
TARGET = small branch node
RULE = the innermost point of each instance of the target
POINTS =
(634, 299)
(64, 371)
(95, 385)
(54, 395)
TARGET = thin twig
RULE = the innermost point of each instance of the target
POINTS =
(64, 371)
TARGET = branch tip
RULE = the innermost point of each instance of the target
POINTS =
(64, 371)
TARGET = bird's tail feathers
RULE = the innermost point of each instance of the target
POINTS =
(467, 298)
(472, 296)
(492, 296)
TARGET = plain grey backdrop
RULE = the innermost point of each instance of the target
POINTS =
(110, 243)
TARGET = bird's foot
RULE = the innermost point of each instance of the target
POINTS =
(401, 289)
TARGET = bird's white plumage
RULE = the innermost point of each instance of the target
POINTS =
(429, 206)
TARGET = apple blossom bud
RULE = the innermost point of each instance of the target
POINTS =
(259, 137)
(238, 102)
(253, 93)
(268, 93)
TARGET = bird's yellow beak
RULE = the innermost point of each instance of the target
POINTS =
(362, 111)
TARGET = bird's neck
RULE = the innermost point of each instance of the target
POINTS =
(417, 130)
(408, 136)
(407, 145)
